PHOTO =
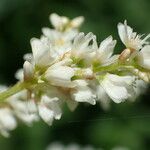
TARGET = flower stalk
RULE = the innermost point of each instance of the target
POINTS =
(13, 90)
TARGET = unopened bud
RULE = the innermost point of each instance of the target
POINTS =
(144, 76)
(28, 70)
(85, 73)
(125, 55)
(88, 73)
(136, 71)
(75, 23)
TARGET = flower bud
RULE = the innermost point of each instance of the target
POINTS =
(28, 70)
(76, 22)
(144, 76)
(125, 55)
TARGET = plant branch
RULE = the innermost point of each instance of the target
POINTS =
(13, 90)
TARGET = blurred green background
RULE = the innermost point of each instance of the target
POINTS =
(126, 124)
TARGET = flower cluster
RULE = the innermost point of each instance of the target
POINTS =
(66, 66)
(74, 146)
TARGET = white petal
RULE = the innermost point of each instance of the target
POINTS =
(69, 35)
(46, 114)
(103, 97)
(7, 119)
(52, 104)
(28, 57)
(106, 47)
(81, 41)
(41, 53)
(125, 32)
(144, 57)
(140, 87)
(115, 92)
(53, 35)
(21, 109)
(84, 94)
(78, 40)
(121, 80)
(60, 76)
(58, 21)
(19, 75)
(31, 107)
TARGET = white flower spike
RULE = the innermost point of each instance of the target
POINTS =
(68, 66)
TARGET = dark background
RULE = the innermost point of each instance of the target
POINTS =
(126, 124)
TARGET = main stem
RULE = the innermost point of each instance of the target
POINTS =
(13, 90)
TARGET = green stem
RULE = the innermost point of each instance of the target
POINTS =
(107, 68)
(13, 90)
(114, 67)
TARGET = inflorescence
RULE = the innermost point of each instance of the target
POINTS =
(68, 66)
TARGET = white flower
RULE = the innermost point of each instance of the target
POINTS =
(62, 22)
(21, 111)
(62, 94)
(82, 46)
(106, 49)
(69, 66)
(72, 146)
(23, 108)
(61, 42)
(59, 38)
(143, 57)
(82, 93)
(42, 53)
(49, 109)
(58, 22)
(60, 76)
(118, 88)
(131, 39)
(7, 121)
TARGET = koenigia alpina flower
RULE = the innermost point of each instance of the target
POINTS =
(66, 66)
